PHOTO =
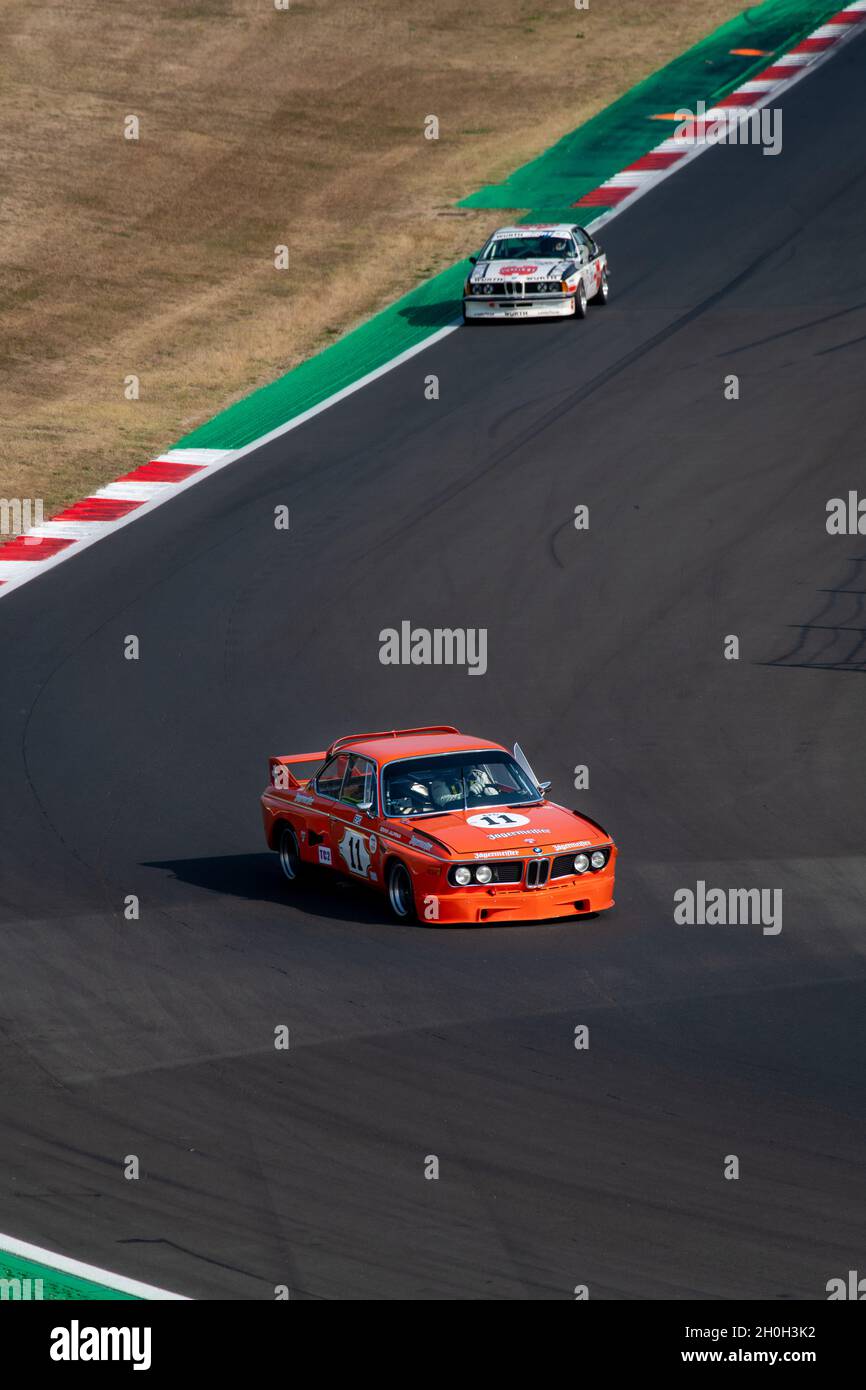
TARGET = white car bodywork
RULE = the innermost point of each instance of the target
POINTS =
(531, 285)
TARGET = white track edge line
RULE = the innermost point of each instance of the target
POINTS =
(10, 1245)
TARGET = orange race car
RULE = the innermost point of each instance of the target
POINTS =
(452, 828)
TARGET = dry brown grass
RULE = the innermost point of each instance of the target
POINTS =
(258, 127)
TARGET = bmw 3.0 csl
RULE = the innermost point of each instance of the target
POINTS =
(450, 828)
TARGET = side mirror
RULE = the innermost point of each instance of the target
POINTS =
(473, 260)
(595, 250)
(544, 786)
(365, 805)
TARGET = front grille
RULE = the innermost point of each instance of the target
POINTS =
(508, 872)
(537, 873)
(512, 288)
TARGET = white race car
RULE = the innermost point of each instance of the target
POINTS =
(536, 272)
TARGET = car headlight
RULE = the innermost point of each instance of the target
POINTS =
(463, 875)
(597, 860)
(483, 874)
(581, 863)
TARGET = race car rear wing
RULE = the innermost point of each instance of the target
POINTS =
(393, 733)
(280, 773)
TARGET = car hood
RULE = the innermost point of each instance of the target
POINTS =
(481, 833)
(498, 272)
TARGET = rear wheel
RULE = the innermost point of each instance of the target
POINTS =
(289, 853)
(580, 300)
(401, 894)
(602, 295)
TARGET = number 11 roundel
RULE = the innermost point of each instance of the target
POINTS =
(497, 820)
(353, 850)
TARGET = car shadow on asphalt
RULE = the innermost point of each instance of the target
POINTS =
(257, 878)
(438, 315)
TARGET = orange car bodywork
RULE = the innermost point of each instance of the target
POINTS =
(361, 844)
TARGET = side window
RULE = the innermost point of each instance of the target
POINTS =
(330, 779)
(359, 784)
(584, 243)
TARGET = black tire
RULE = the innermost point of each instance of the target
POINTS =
(580, 300)
(289, 853)
(603, 294)
(401, 894)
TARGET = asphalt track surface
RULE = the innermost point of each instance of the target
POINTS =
(707, 518)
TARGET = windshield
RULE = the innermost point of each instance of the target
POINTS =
(455, 782)
(517, 248)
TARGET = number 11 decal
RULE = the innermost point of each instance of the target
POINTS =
(354, 852)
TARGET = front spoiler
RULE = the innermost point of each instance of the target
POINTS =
(553, 308)
(572, 898)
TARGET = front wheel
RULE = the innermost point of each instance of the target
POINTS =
(580, 300)
(290, 854)
(401, 894)
(602, 295)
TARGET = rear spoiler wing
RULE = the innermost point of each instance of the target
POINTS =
(393, 733)
(280, 773)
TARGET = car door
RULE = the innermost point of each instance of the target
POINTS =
(590, 259)
(354, 821)
(325, 793)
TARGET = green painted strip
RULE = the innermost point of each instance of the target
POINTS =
(624, 131)
(545, 188)
(25, 1276)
